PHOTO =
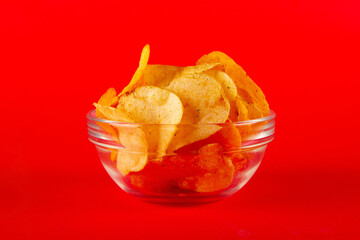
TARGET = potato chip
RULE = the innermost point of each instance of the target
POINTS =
(245, 86)
(239, 159)
(229, 89)
(200, 68)
(160, 75)
(243, 115)
(204, 101)
(109, 98)
(228, 137)
(113, 155)
(218, 172)
(112, 113)
(158, 176)
(133, 157)
(135, 81)
(253, 111)
(153, 105)
(247, 111)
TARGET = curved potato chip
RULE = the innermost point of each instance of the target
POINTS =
(218, 171)
(243, 115)
(134, 157)
(127, 162)
(253, 111)
(160, 75)
(204, 101)
(139, 71)
(229, 89)
(112, 113)
(191, 70)
(109, 98)
(246, 87)
(228, 137)
(153, 105)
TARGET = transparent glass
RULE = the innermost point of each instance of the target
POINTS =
(204, 171)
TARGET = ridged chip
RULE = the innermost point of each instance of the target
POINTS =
(229, 88)
(217, 171)
(109, 98)
(204, 101)
(153, 105)
(160, 75)
(246, 87)
(134, 155)
(136, 79)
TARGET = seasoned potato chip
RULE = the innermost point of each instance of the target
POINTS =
(245, 86)
(229, 89)
(253, 111)
(112, 113)
(243, 115)
(113, 155)
(155, 106)
(239, 159)
(127, 162)
(247, 111)
(218, 172)
(204, 101)
(109, 98)
(200, 68)
(135, 81)
(134, 156)
(160, 75)
(228, 137)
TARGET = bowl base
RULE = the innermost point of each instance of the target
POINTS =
(180, 200)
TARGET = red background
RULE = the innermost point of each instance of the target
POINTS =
(58, 56)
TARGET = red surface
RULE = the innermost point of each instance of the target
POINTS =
(58, 57)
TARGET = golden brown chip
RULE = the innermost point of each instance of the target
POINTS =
(112, 113)
(127, 162)
(245, 86)
(160, 75)
(153, 105)
(243, 115)
(229, 89)
(113, 155)
(109, 98)
(135, 81)
(217, 171)
(133, 157)
(204, 101)
(200, 68)
(253, 111)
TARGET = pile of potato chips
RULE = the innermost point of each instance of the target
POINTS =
(180, 110)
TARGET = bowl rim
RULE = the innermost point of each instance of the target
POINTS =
(92, 117)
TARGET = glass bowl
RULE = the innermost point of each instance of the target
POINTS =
(201, 172)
